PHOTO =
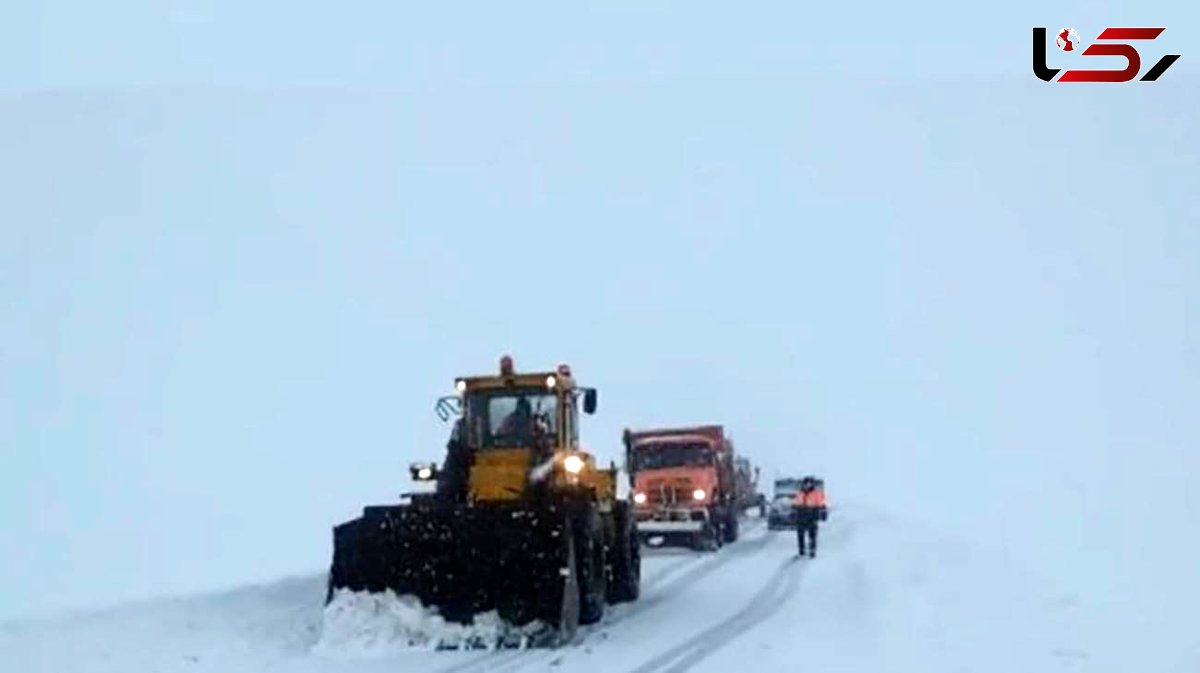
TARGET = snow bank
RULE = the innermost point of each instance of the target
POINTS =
(363, 625)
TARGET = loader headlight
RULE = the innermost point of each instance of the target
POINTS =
(698, 494)
(460, 385)
(639, 498)
(551, 381)
(573, 464)
(423, 471)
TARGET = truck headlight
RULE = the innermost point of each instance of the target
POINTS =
(698, 494)
(639, 498)
(573, 464)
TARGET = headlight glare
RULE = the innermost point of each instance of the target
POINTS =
(573, 464)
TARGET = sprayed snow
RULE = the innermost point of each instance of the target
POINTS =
(363, 625)
(540, 472)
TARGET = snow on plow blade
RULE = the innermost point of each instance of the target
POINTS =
(463, 561)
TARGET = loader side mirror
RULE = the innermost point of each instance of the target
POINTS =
(589, 401)
(448, 406)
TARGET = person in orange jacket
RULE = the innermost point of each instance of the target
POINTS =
(810, 507)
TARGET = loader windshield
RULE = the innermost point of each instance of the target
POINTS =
(655, 456)
(511, 418)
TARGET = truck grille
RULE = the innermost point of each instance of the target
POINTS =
(669, 495)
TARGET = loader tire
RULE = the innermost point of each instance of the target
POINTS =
(560, 609)
(731, 527)
(593, 580)
(625, 582)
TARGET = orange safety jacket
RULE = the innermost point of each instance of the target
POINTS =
(813, 499)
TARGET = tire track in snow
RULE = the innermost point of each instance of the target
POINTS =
(764, 604)
(490, 660)
(704, 567)
(670, 568)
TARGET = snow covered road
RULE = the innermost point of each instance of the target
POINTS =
(881, 596)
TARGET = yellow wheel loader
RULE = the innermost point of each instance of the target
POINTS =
(521, 520)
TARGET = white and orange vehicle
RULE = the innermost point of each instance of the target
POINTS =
(685, 486)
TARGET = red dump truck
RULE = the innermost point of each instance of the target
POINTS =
(686, 486)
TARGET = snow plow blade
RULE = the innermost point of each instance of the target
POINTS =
(462, 561)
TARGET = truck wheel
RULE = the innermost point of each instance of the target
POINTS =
(625, 582)
(593, 584)
(708, 539)
(731, 527)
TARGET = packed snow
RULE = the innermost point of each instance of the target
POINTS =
(883, 594)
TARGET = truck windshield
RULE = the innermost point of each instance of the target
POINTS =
(656, 456)
(511, 418)
(786, 487)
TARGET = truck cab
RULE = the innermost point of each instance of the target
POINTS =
(684, 489)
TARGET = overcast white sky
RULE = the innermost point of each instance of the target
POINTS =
(123, 44)
(242, 251)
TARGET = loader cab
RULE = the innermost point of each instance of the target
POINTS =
(513, 418)
(514, 424)
(521, 417)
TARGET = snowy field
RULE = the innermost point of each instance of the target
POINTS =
(883, 595)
